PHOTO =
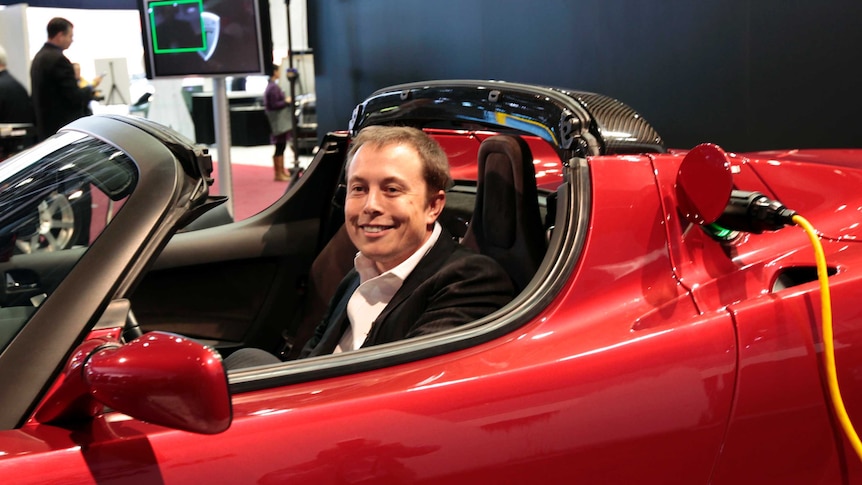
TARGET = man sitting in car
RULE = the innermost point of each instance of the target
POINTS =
(410, 276)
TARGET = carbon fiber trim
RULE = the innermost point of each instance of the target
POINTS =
(621, 128)
(577, 123)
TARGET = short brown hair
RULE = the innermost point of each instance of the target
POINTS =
(58, 25)
(435, 163)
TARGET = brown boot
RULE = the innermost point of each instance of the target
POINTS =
(278, 165)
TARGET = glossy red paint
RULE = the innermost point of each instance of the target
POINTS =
(779, 355)
(71, 399)
(462, 148)
(825, 199)
(703, 184)
(163, 378)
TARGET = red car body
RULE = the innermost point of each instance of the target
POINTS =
(645, 350)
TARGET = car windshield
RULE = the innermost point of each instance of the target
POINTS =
(55, 200)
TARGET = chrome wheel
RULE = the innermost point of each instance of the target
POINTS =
(56, 227)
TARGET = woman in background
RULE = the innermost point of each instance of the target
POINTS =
(278, 108)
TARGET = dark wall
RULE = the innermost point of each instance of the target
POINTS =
(747, 74)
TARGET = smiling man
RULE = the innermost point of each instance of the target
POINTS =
(410, 276)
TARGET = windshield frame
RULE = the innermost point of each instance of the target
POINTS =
(106, 270)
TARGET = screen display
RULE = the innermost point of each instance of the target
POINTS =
(206, 37)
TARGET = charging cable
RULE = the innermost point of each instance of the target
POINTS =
(828, 343)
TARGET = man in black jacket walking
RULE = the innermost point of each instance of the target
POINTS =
(57, 98)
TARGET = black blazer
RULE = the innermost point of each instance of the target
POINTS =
(15, 106)
(57, 99)
(451, 286)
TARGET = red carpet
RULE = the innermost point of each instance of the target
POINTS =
(253, 189)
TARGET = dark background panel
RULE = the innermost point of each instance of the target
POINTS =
(747, 74)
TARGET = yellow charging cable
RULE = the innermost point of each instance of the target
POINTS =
(828, 344)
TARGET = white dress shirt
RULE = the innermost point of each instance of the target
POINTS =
(375, 291)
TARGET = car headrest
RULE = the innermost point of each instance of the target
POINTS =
(507, 224)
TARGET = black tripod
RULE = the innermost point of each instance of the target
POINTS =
(114, 90)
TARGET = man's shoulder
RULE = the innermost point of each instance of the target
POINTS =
(10, 83)
(465, 273)
(46, 50)
(449, 261)
(49, 53)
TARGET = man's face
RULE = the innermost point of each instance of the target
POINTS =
(387, 212)
(64, 39)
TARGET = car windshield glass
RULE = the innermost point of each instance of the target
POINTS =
(55, 200)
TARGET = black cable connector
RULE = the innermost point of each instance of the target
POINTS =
(754, 212)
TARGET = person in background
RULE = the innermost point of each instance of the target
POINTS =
(15, 104)
(57, 98)
(279, 112)
(95, 95)
(15, 108)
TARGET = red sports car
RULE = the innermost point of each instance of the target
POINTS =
(684, 316)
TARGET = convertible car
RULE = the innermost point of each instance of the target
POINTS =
(683, 315)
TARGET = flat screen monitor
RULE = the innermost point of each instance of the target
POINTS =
(206, 37)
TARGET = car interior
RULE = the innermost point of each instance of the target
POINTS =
(265, 282)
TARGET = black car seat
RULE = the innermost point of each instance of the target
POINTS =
(507, 224)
